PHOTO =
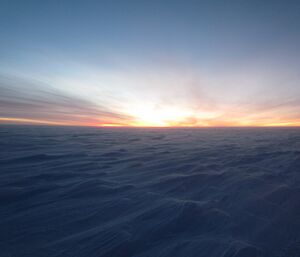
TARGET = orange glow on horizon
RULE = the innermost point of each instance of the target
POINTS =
(244, 123)
(111, 125)
(28, 121)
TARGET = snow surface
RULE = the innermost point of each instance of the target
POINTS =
(115, 192)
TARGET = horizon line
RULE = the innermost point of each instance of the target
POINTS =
(34, 122)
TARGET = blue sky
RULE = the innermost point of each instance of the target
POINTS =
(155, 63)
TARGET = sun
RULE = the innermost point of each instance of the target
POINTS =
(157, 116)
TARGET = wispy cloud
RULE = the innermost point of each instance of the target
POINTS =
(33, 100)
(168, 96)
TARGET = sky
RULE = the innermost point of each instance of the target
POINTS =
(150, 63)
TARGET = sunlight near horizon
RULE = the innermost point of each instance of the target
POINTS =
(164, 121)
(160, 116)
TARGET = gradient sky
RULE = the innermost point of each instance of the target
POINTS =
(150, 63)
